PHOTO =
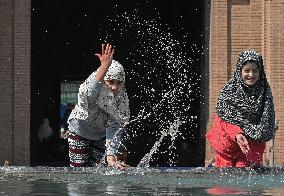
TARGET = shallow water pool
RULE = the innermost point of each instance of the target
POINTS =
(138, 181)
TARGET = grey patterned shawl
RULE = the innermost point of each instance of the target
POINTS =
(250, 107)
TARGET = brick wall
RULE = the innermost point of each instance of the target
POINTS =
(275, 67)
(15, 81)
(237, 25)
(6, 80)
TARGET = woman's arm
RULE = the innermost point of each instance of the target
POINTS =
(106, 58)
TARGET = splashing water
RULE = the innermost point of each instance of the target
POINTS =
(167, 101)
(172, 131)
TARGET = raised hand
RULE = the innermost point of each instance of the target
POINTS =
(106, 58)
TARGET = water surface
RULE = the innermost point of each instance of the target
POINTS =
(140, 181)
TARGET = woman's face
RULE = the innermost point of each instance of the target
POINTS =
(250, 73)
(114, 86)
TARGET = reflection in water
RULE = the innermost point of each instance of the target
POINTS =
(226, 190)
(139, 181)
(276, 191)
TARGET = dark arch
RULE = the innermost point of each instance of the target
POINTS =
(64, 40)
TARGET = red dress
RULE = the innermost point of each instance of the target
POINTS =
(222, 137)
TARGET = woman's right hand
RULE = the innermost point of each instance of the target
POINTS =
(105, 58)
(243, 143)
(113, 162)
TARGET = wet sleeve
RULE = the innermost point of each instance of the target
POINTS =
(90, 87)
(114, 135)
(89, 90)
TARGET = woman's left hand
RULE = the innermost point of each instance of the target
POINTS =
(243, 143)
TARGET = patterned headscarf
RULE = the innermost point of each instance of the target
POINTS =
(250, 107)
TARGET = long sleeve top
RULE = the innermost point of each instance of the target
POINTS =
(98, 111)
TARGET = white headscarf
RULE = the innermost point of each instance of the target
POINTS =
(115, 72)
